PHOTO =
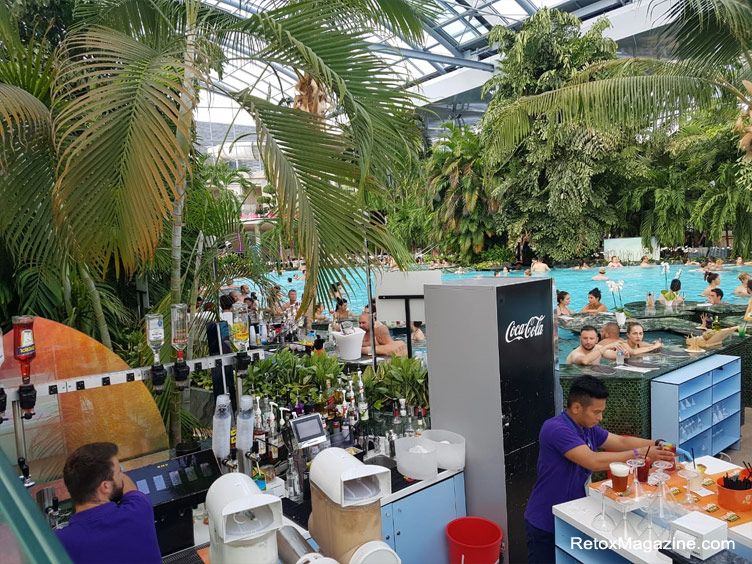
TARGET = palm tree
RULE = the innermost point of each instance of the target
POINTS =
(711, 59)
(96, 143)
(461, 204)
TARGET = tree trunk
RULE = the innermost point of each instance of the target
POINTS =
(96, 304)
(196, 321)
(177, 210)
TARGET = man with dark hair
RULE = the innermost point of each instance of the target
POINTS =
(715, 296)
(590, 352)
(568, 454)
(113, 522)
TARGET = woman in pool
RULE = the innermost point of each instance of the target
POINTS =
(594, 304)
(741, 289)
(713, 279)
(675, 287)
(740, 262)
(635, 344)
(645, 261)
(615, 262)
(563, 299)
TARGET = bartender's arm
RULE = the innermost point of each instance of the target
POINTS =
(128, 485)
(594, 461)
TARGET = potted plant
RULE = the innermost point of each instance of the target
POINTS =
(406, 378)
(619, 311)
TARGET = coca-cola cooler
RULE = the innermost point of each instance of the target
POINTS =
(492, 378)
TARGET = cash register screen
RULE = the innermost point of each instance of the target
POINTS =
(308, 428)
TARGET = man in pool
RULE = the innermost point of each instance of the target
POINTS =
(715, 297)
(609, 334)
(385, 345)
(590, 352)
(635, 345)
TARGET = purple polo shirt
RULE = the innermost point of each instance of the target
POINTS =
(113, 533)
(559, 479)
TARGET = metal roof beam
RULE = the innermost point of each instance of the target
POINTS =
(435, 57)
(528, 6)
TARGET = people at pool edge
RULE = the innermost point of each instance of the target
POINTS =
(594, 304)
(615, 262)
(590, 352)
(563, 299)
(113, 521)
(713, 279)
(568, 455)
(385, 345)
(634, 343)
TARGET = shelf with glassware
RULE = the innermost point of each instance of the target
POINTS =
(698, 406)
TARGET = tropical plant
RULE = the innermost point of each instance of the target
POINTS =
(709, 60)
(558, 181)
(407, 378)
(461, 204)
(321, 368)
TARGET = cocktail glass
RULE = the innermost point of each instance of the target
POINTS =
(663, 503)
(602, 522)
(652, 533)
(624, 529)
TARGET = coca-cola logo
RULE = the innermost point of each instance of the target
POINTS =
(533, 327)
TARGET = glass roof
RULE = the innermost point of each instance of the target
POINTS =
(456, 39)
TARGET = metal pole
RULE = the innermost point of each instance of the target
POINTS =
(18, 430)
(372, 314)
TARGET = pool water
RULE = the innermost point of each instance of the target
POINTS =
(638, 281)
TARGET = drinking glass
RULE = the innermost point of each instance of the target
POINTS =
(688, 499)
(602, 522)
(663, 503)
(652, 533)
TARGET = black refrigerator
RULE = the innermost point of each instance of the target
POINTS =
(492, 378)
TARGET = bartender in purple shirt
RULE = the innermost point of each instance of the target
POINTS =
(113, 522)
(568, 454)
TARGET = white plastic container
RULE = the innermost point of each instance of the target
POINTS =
(416, 458)
(450, 448)
(350, 345)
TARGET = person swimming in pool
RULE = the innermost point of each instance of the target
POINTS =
(601, 274)
(594, 304)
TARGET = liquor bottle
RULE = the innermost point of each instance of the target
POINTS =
(310, 404)
(24, 349)
(421, 424)
(339, 395)
(402, 409)
(259, 434)
(352, 413)
(409, 430)
(716, 324)
(331, 406)
(240, 326)
(362, 401)
(345, 427)
(299, 406)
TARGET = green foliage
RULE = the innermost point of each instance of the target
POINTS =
(406, 378)
(495, 256)
(322, 367)
(462, 207)
(560, 181)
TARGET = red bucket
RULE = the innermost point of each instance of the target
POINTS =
(473, 540)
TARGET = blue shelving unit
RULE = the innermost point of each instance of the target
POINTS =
(698, 406)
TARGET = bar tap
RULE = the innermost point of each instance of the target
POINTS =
(155, 340)
(25, 473)
(179, 326)
(24, 351)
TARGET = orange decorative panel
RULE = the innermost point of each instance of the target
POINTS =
(124, 414)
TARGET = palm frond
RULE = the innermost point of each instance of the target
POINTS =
(364, 87)
(715, 32)
(653, 98)
(315, 174)
(120, 107)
